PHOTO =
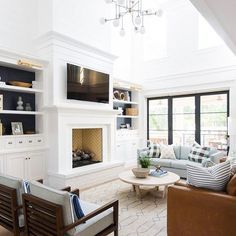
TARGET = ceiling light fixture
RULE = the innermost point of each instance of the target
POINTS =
(132, 8)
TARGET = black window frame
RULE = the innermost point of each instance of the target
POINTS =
(197, 112)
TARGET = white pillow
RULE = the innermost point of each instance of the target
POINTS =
(167, 152)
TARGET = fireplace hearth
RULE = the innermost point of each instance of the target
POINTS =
(83, 158)
(86, 146)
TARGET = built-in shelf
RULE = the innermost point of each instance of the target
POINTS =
(19, 89)
(124, 116)
(125, 102)
(21, 112)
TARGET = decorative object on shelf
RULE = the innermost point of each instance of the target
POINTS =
(127, 126)
(122, 96)
(1, 102)
(133, 8)
(1, 128)
(127, 97)
(17, 128)
(20, 104)
(141, 172)
(28, 63)
(123, 126)
(116, 94)
(28, 107)
(20, 84)
(131, 111)
(120, 109)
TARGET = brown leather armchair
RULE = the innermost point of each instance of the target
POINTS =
(200, 212)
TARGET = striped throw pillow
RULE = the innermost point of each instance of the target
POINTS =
(215, 177)
(198, 153)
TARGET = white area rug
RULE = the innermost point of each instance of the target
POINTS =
(136, 217)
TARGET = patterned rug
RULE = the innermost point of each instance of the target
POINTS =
(138, 217)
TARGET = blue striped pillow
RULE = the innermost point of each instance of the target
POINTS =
(215, 177)
(78, 212)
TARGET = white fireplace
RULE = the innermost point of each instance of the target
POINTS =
(64, 115)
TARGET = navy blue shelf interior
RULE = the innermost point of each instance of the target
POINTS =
(10, 99)
(122, 120)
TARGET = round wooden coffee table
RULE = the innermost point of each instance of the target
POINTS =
(128, 177)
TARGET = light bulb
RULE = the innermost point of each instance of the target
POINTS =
(120, 2)
(138, 20)
(142, 30)
(116, 23)
(108, 1)
(159, 12)
(122, 32)
(102, 20)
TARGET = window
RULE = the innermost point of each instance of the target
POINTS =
(214, 117)
(180, 120)
(183, 120)
(158, 120)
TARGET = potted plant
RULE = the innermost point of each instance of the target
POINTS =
(144, 170)
(144, 162)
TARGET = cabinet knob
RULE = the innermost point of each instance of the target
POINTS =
(26, 158)
(30, 141)
(20, 142)
(9, 142)
(39, 140)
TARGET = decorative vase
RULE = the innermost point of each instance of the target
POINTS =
(20, 104)
(28, 107)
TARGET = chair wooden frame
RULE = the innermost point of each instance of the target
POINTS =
(9, 210)
(45, 218)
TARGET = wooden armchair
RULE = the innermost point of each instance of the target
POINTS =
(11, 209)
(48, 212)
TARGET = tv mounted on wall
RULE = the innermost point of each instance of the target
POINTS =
(87, 85)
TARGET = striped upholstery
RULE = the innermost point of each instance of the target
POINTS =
(215, 177)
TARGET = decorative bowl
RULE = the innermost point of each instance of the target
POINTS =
(20, 84)
(140, 172)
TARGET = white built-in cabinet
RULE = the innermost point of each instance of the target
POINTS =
(23, 155)
(128, 140)
(28, 165)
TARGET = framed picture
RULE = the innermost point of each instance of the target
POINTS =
(17, 128)
(1, 102)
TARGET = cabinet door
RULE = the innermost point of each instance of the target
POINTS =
(1, 164)
(16, 165)
(36, 166)
(121, 151)
(133, 149)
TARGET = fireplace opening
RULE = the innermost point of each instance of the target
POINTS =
(86, 146)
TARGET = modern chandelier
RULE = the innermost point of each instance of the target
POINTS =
(134, 9)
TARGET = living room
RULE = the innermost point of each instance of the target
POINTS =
(145, 141)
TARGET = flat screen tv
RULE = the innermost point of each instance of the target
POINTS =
(87, 85)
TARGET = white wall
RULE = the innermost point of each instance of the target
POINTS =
(79, 19)
(17, 24)
(182, 47)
